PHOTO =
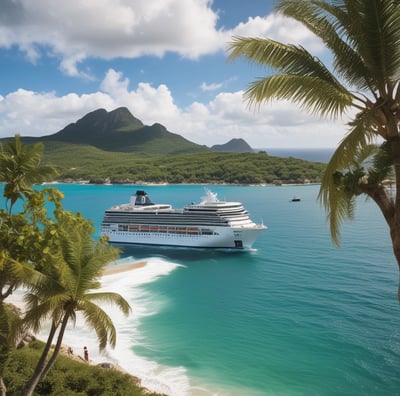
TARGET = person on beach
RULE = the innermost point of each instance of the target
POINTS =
(85, 354)
(70, 351)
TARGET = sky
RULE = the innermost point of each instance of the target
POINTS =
(165, 60)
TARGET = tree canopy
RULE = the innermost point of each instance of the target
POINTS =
(363, 37)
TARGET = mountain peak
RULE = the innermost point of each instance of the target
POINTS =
(99, 124)
(233, 146)
(122, 117)
(119, 130)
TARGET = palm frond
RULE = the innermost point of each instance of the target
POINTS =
(20, 168)
(101, 323)
(286, 58)
(39, 311)
(325, 21)
(362, 35)
(302, 78)
(382, 164)
(110, 298)
(312, 94)
(378, 39)
(337, 202)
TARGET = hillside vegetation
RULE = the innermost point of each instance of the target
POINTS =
(78, 162)
(117, 147)
(68, 377)
(119, 131)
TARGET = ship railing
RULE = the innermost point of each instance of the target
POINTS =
(163, 229)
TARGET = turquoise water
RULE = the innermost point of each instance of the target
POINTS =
(296, 316)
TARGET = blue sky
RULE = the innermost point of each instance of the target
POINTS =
(165, 60)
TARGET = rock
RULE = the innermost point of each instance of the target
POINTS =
(106, 365)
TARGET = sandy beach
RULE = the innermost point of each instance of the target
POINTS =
(123, 268)
(17, 300)
(66, 349)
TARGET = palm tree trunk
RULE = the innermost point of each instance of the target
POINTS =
(395, 229)
(3, 389)
(389, 206)
(4, 345)
(56, 351)
(36, 376)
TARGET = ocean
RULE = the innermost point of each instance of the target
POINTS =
(294, 316)
(308, 154)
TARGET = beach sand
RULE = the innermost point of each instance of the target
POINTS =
(123, 268)
(17, 300)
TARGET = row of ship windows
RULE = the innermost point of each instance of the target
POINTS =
(166, 236)
(164, 229)
(170, 220)
(120, 217)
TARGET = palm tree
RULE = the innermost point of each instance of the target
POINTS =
(20, 234)
(364, 39)
(20, 168)
(72, 281)
(11, 329)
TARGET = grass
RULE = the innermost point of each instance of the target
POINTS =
(68, 376)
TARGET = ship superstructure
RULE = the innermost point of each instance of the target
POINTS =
(209, 224)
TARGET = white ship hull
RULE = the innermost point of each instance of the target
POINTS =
(210, 224)
(222, 237)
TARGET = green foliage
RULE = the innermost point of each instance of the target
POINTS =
(363, 37)
(20, 168)
(27, 240)
(68, 377)
(69, 287)
(119, 131)
(88, 163)
(382, 165)
(4, 337)
(53, 255)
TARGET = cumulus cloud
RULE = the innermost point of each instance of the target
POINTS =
(107, 29)
(279, 28)
(76, 30)
(210, 87)
(37, 114)
(225, 117)
(72, 32)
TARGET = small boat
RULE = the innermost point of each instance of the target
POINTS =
(295, 199)
(208, 224)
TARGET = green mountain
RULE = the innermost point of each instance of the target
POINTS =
(115, 146)
(233, 146)
(120, 131)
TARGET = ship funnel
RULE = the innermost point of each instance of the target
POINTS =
(141, 198)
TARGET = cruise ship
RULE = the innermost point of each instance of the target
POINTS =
(208, 224)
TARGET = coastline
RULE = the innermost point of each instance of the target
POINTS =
(68, 348)
(117, 269)
(142, 183)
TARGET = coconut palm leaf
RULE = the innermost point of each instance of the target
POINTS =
(72, 282)
(364, 39)
(20, 168)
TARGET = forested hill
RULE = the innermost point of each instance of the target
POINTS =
(120, 131)
(233, 146)
(98, 166)
(115, 146)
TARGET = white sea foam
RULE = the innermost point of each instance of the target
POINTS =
(168, 380)
(155, 377)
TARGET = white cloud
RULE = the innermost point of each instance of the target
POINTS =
(36, 114)
(107, 29)
(223, 118)
(279, 28)
(210, 87)
(80, 29)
